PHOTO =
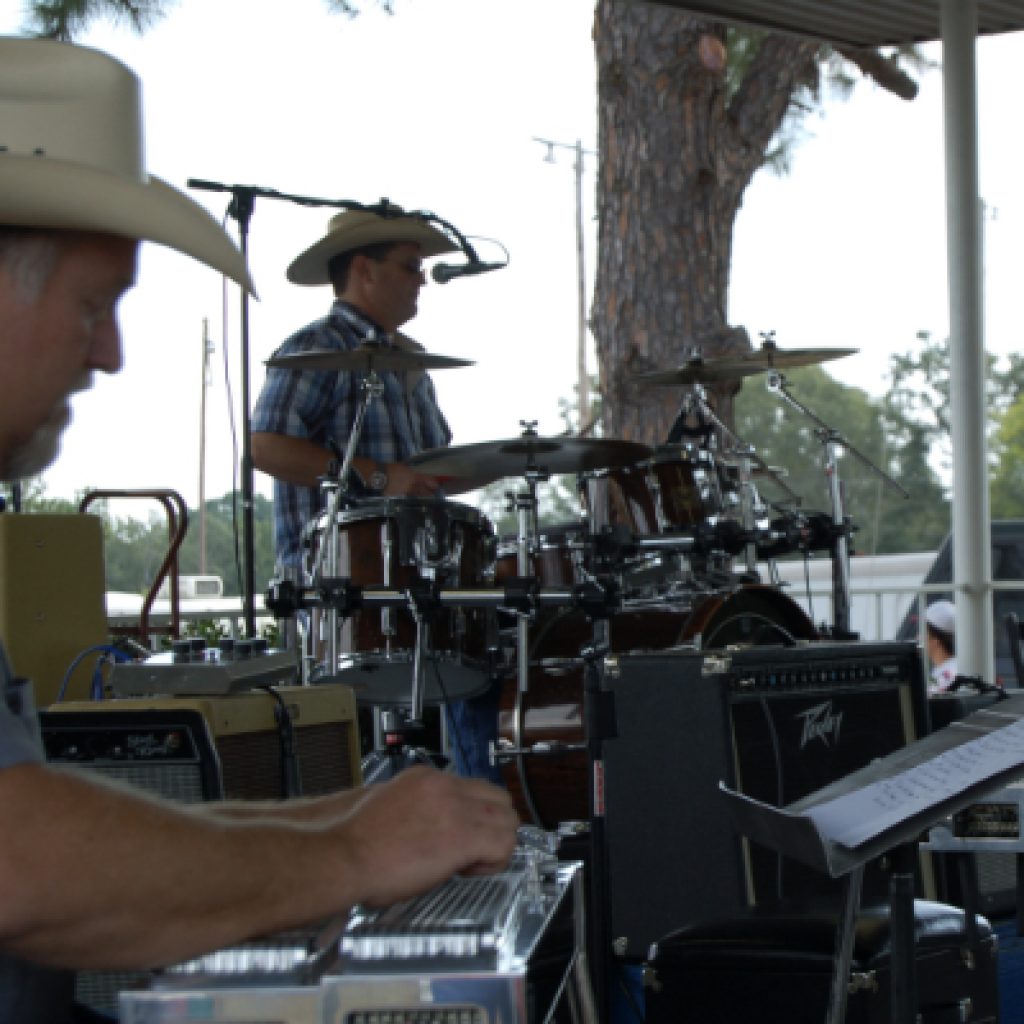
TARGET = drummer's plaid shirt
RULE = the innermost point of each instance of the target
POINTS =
(321, 405)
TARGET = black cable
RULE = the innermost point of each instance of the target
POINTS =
(291, 772)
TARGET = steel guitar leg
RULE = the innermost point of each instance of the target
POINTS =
(844, 946)
(901, 931)
(596, 718)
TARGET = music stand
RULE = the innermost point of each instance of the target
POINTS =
(882, 808)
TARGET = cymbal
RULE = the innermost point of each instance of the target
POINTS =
(366, 358)
(771, 357)
(492, 460)
(760, 360)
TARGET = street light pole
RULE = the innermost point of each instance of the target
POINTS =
(583, 380)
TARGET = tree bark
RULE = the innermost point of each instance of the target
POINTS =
(677, 152)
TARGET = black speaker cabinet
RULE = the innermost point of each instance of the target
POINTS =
(775, 723)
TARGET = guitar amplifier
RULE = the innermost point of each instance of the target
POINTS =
(776, 723)
(257, 745)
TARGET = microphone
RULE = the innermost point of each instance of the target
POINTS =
(444, 272)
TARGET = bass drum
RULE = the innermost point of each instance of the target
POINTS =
(549, 788)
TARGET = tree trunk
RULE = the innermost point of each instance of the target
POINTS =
(676, 153)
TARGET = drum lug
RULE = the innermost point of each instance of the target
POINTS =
(503, 750)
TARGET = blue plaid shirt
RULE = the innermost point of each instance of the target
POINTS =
(321, 405)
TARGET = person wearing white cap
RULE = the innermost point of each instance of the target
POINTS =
(940, 634)
(94, 875)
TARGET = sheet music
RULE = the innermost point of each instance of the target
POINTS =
(862, 814)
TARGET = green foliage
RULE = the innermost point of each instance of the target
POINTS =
(1007, 488)
(787, 439)
(134, 549)
(67, 19)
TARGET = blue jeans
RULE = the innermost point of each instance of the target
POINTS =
(473, 726)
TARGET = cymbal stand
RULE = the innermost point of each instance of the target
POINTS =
(372, 387)
(526, 521)
(738, 443)
(832, 442)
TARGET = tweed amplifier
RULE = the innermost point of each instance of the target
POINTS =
(257, 745)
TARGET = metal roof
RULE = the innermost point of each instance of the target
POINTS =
(867, 23)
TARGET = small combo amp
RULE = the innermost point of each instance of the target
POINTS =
(257, 745)
(775, 723)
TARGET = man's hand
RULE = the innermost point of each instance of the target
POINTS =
(403, 481)
(414, 832)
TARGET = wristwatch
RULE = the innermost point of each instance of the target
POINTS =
(378, 479)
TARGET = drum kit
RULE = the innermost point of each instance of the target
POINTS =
(415, 601)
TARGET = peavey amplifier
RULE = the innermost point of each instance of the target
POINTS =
(775, 723)
(263, 744)
(489, 949)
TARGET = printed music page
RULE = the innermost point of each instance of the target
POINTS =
(895, 798)
(855, 817)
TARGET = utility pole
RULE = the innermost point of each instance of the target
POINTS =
(583, 380)
(207, 350)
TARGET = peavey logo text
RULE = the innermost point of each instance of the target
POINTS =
(820, 723)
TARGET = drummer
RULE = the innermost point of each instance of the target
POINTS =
(303, 419)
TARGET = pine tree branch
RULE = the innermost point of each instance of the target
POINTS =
(881, 69)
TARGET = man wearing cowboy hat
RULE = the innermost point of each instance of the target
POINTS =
(95, 875)
(302, 420)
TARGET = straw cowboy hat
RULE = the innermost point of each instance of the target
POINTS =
(71, 155)
(353, 229)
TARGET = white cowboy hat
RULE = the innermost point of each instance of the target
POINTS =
(353, 229)
(71, 155)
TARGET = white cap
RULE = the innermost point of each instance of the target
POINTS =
(942, 615)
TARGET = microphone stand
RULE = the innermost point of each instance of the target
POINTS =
(241, 208)
(833, 441)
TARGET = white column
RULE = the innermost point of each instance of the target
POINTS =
(972, 547)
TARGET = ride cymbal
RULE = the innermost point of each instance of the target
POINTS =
(492, 460)
(759, 360)
(366, 358)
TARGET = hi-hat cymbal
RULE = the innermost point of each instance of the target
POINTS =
(366, 358)
(492, 460)
(760, 360)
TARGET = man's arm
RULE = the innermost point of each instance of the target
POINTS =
(299, 461)
(96, 875)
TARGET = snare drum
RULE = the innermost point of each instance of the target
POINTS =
(394, 543)
(674, 490)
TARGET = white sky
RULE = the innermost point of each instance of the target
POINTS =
(436, 108)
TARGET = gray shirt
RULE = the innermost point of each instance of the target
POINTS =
(29, 993)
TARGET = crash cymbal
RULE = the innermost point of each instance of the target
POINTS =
(697, 371)
(492, 460)
(760, 360)
(771, 357)
(366, 358)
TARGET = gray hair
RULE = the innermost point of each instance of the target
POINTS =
(28, 256)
